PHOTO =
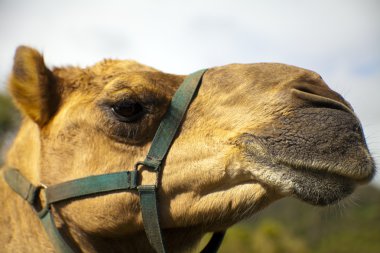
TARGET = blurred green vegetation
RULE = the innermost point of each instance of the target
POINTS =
(9, 120)
(289, 225)
(353, 226)
(9, 116)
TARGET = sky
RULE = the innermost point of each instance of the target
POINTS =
(339, 39)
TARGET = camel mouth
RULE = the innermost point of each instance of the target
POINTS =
(313, 184)
(320, 162)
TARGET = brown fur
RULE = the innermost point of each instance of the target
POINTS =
(255, 133)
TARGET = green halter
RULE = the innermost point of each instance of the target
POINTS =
(125, 180)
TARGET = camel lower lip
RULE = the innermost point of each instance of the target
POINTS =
(313, 187)
(307, 183)
(321, 188)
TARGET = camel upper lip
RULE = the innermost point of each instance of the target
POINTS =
(325, 140)
(361, 170)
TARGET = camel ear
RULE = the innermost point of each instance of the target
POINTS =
(33, 86)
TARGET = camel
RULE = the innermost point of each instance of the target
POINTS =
(254, 133)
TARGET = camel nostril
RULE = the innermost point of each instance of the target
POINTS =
(319, 97)
(306, 89)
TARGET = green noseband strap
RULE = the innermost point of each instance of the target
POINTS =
(120, 181)
(169, 125)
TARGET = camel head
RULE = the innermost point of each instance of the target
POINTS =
(253, 134)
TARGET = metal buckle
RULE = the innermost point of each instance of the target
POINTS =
(38, 208)
(141, 163)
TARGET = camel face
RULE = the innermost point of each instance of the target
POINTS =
(253, 134)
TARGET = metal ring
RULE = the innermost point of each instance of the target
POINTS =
(44, 209)
(138, 164)
(141, 163)
(42, 186)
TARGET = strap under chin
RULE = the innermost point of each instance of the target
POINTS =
(148, 203)
(56, 238)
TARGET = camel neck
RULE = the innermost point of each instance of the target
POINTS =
(27, 160)
(18, 219)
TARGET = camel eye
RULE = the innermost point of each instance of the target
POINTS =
(128, 111)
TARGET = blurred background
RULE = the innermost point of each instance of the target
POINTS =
(338, 39)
